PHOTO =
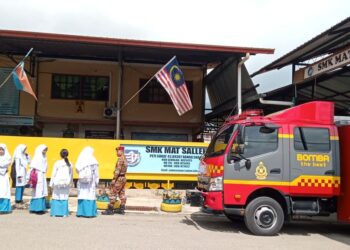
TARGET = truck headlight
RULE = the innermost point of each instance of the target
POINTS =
(202, 167)
(215, 184)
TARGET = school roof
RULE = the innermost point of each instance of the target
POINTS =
(102, 48)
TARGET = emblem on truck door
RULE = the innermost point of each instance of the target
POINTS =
(261, 171)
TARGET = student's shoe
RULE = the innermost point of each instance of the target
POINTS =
(121, 210)
(108, 212)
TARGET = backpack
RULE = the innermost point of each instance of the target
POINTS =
(62, 177)
(85, 175)
(13, 173)
(33, 178)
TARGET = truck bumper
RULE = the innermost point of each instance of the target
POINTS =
(213, 200)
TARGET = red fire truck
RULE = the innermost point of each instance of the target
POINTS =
(268, 169)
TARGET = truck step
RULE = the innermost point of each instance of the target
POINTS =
(305, 207)
(305, 212)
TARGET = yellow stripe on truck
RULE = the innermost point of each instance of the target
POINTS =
(291, 136)
(286, 136)
(303, 181)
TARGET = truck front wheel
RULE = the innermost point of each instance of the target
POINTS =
(264, 216)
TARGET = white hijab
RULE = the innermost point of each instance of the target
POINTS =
(39, 161)
(20, 154)
(6, 158)
(86, 158)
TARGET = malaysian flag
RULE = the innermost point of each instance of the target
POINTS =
(172, 79)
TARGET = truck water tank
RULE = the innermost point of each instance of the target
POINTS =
(343, 210)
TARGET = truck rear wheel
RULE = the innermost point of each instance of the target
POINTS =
(264, 216)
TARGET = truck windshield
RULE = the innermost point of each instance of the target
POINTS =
(218, 144)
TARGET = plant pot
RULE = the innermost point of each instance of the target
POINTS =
(103, 205)
(172, 208)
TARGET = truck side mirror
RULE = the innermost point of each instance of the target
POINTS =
(248, 164)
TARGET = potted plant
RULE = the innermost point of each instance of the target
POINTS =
(102, 200)
(171, 201)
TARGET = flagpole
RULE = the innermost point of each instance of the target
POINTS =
(126, 103)
(28, 53)
(147, 83)
(8, 77)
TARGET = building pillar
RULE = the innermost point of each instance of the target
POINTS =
(119, 96)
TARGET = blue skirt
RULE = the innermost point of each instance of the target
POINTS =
(5, 206)
(59, 208)
(87, 208)
(37, 205)
(19, 194)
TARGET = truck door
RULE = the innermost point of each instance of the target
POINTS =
(312, 168)
(265, 152)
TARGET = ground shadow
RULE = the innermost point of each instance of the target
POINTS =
(213, 222)
(333, 230)
(302, 227)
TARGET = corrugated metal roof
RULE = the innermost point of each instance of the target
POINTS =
(221, 85)
(327, 42)
(331, 86)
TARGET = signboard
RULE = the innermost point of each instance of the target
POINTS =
(148, 160)
(335, 61)
(163, 159)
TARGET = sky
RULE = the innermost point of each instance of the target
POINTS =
(281, 25)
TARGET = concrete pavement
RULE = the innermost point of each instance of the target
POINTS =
(21, 230)
(146, 227)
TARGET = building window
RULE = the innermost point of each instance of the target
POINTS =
(9, 95)
(154, 92)
(99, 134)
(311, 139)
(77, 87)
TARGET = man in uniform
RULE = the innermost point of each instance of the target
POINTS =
(117, 187)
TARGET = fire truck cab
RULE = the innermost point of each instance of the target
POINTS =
(267, 169)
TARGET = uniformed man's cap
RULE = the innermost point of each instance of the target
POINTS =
(120, 148)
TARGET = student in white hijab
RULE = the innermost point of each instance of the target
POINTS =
(5, 189)
(87, 169)
(21, 161)
(61, 179)
(39, 165)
